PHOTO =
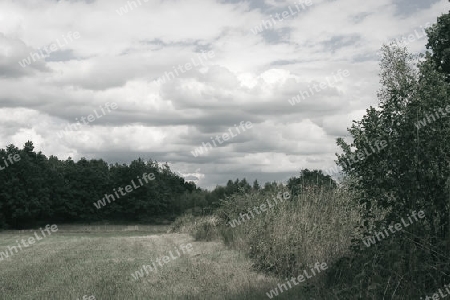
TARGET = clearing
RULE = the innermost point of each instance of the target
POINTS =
(98, 261)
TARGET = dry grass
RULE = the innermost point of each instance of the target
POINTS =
(316, 226)
(70, 264)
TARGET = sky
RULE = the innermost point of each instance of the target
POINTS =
(269, 84)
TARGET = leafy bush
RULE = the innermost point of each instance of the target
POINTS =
(411, 173)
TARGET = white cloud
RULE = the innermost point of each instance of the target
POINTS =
(250, 78)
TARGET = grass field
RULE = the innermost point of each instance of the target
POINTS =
(99, 260)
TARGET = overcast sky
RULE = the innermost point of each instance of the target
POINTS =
(61, 61)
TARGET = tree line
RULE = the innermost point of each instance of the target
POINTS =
(36, 189)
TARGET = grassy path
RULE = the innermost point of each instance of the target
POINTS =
(69, 265)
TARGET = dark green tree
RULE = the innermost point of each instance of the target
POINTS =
(314, 179)
(439, 44)
(410, 174)
(256, 185)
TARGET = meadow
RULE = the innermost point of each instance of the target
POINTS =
(98, 261)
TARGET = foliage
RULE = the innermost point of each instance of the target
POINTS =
(314, 179)
(439, 43)
(38, 190)
(411, 174)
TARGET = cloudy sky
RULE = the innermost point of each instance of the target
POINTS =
(182, 72)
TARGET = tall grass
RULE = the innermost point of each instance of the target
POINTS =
(326, 226)
(315, 226)
(201, 228)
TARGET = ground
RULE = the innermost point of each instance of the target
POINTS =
(99, 262)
